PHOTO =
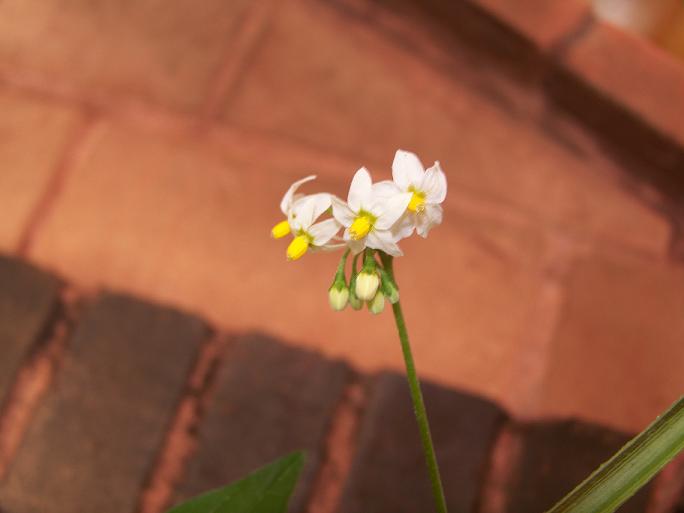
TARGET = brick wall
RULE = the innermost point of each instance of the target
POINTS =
(117, 405)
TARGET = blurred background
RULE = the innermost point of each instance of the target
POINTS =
(144, 149)
(145, 146)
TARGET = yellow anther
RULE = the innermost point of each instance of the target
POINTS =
(361, 226)
(280, 230)
(298, 246)
(417, 203)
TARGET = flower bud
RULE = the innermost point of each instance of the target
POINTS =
(354, 301)
(389, 288)
(338, 297)
(377, 305)
(367, 284)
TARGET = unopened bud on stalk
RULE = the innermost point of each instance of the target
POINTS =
(338, 297)
(338, 293)
(389, 288)
(367, 284)
(368, 281)
(377, 305)
(354, 300)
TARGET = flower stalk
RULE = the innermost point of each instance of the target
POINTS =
(417, 396)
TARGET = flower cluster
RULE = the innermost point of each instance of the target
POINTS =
(376, 216)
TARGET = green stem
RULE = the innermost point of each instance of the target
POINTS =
(417, 397)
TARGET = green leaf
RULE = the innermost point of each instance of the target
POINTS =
(266, 490)
(630, 468)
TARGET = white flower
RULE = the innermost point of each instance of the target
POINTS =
(301, 212)
(368, 217)
(428, 190)
(307, 233)
(283, 228)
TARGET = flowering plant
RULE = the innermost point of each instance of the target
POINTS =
(371, 222)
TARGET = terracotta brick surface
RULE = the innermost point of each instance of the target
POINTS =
(365, 96)
(188, 224)
(94, 438)
(618, 343)
(271, 399)
(384, 479)
(545, 23)
(554, 457)
(33, 135)
(182, 216)
(142, 50)
(28, 300)
(638, 76)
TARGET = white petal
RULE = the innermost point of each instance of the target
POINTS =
(404, 226)
(429, 218)
(434, 185)
(385, 189)
(331, 246)
(302, 215)
(356, 246)
(342, 212)
(382, 240)
(360, 190)
(321, 202)
(392, 209)
(324, 231)
(288, 198)
(406, 169)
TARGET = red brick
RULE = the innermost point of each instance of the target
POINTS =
(556, 456)
(312, 81)
(545, 23)
(615, 354)
(139, 50)
(33, 136)
(188, 220)
(270, 400)
(389, 473)
(632, 73)
(28, 301)
(95, 437)
(631, 93)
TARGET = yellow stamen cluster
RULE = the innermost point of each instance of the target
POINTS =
(280, 230)
(361, 226)
(417, 203)
(299, 245)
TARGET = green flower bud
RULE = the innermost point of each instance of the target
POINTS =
(367, 284)
(338, 297)
(377, 305)
(389, 288)
(354, 301)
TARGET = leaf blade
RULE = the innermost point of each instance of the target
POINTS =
(616, 480)
(266, 490)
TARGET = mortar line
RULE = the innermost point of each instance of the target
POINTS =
(242, 47)
(338, 448)
(72, 152)
(180, 441)
(497, 477)
(35, 375)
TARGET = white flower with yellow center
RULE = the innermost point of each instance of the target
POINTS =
(368, 217)
(427, 188)
(283, 228)
(302, 212)
(308, 234)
